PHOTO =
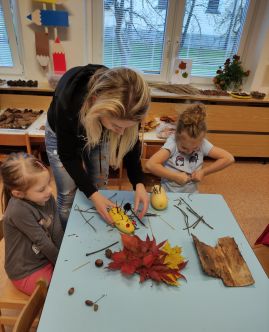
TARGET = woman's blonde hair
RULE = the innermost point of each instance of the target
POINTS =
(19, 172)
(192, 121)
(119, 93)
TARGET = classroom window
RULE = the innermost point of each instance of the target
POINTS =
(149, 34)
(9, 57)
(211, 33)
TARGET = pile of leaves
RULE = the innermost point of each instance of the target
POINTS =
(159, 262)
(231, 75)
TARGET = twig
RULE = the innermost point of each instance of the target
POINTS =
(166, 222)
(186, 218)
(94, 252)
(81, 266)
(99, 298)
(77, 208)
(115, 194)
(87, 221)
(189, 208)
(128, 207)
(189, 196)
(150, 226)
(149, 214)
(197, 221)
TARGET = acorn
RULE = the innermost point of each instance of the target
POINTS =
(71, 291)
(108, 253)
(89, 303)
(99, 262)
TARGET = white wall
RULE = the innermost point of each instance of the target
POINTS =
(72, 38)
(256, 53)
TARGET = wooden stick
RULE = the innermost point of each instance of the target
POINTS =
(94, 252)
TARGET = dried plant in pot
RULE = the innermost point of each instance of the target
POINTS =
(231, 75)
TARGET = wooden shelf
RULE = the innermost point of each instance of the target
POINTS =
(239, 126)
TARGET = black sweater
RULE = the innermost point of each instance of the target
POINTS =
(63, 118)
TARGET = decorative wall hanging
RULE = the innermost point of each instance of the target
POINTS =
(42, 48)
(49, 18)
(181, 71)
(58, 55)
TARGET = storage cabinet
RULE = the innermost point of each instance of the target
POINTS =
(242, 127)
(239, 126)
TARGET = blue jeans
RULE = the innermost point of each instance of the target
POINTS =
(96, 165)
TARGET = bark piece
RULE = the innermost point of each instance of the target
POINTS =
(224, 261)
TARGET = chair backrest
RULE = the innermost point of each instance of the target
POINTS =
(32, 309)
(16, 140)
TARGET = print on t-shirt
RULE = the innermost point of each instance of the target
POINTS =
(180, 160)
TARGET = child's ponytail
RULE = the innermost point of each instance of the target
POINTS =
(192, 120)
(18, 173)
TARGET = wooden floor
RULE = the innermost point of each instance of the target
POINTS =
(245, 188)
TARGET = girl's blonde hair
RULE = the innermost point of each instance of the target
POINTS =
(19, 172)
(119, 93)
(192, 121)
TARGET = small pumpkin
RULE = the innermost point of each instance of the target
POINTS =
(158, 198)
(121, 220)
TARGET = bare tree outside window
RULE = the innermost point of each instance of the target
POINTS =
(134, 33)
(211, 33)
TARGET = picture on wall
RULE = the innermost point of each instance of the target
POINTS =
(181, 71)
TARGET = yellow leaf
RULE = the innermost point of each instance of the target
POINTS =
(174, 257)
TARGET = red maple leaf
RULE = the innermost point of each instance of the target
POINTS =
(182, 65)
(145, 258)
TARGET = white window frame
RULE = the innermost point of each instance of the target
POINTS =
(17, 68)
(175, 13)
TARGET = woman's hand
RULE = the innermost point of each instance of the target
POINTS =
(141, 196)
(102, 204)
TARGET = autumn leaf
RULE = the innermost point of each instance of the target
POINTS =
(158, 262)
(182, 65)
(173, 257)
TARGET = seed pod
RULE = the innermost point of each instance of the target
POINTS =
(71, 291)
(89, 303)
(108, 253)
(99, 262)
(95, 307)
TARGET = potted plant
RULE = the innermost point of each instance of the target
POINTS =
(231, 75)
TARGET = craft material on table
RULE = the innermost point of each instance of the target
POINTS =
(224, 261)
(201, 303)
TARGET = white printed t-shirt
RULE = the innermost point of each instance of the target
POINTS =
(188, 163)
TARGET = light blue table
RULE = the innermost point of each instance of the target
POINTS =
(201, 304)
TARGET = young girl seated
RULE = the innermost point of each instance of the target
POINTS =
(32, 229)
(180, 161)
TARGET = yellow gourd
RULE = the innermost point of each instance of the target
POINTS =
(121, 220)
(158, 198)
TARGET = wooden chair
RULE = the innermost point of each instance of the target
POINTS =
(262, 253)
(15, 140)
(32, 309)
(11, 300)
